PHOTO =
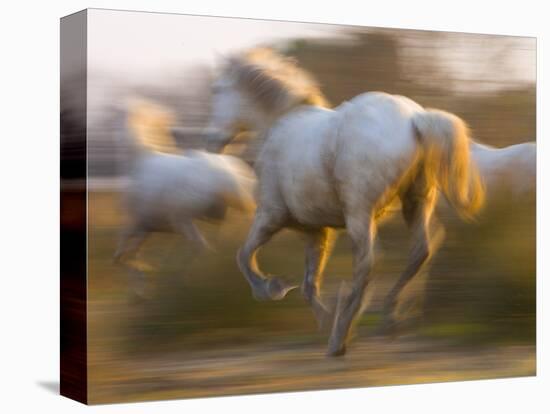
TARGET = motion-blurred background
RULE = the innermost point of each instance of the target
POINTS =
(470, 315)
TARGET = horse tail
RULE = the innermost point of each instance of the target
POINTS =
(150, 125)
(445, 139)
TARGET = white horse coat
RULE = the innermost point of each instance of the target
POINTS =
(510, 170)
(170, 191)
(322, 168)
(311, 168)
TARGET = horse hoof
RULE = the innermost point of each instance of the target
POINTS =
(274, 288)
(277, 288)
(338, 352)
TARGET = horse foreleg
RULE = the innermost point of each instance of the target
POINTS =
(197, 244)
(318, 249)
(361, 230)
(263, 288)
(190, 231)
(418, 213)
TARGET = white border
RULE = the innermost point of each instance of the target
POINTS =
(30, 203)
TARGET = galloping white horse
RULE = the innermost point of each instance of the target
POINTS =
(321, 169)
(170, 190)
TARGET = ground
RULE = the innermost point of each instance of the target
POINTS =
(199, 333)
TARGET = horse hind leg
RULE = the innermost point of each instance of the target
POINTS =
(131, 239)
(190, 231)
(266, 224)
(318, 249)
(361, 229)
(418, 209)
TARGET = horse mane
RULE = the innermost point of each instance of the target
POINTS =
(274, 81)
(151, 125)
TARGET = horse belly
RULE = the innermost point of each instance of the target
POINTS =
(318, 213)
(168, 190)
(311, 199)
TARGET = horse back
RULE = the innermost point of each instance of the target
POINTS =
(377, 149)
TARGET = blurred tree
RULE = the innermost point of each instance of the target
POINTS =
(411, 63)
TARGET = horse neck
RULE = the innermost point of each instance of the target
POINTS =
(265, 121)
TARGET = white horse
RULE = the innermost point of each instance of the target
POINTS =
(508, 175)
(169, 190)
(322, 169)
(508, 171)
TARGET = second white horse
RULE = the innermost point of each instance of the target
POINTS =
(170, 190)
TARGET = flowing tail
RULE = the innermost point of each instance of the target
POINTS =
(446, 143)
(150, 124)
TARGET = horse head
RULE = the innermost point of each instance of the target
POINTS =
(254, 89)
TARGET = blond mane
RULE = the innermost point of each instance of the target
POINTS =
(274, 81)
(151, 125)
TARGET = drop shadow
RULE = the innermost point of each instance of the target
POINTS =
(51, 386)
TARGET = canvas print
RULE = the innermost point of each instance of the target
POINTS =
(254, 206)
